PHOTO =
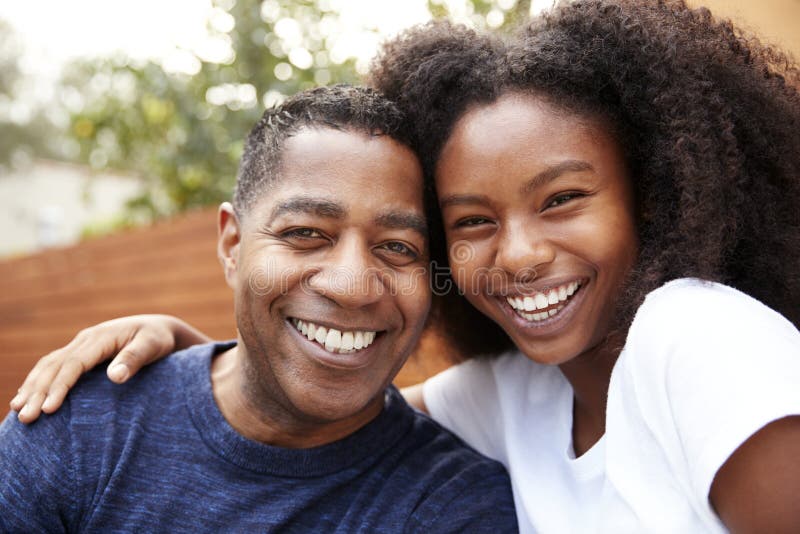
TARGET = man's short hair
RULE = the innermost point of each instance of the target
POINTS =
(342, 107)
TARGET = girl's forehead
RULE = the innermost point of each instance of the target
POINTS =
(515, 111)
(518, 137)
(502, 153)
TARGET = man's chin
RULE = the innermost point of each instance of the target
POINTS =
(326, 406)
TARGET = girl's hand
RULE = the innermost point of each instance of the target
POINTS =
(136, 341)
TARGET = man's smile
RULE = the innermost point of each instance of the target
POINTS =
(335, 340)
(336, 348)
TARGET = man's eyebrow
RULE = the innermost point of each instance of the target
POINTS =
(551, 173)
(321, 207)
(403, 220)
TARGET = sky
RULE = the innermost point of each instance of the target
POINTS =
(55, 31)
(52, 32)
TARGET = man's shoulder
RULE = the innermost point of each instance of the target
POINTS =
(448, 484)
(96, 400)
(466, 488)
(440, 456)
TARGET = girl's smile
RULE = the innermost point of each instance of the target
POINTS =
(547, 310)
(543, 200)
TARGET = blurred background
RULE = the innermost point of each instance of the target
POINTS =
(121, 125)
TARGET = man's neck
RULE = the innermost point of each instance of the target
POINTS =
(271, 420)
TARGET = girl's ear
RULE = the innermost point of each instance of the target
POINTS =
(228, 239)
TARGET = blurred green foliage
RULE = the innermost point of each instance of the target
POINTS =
(25, 131)
(180, 124)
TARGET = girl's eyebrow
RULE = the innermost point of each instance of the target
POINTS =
(553, 172)
(459, 200)
(541, 178)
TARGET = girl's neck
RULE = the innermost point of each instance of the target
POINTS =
(589, 375)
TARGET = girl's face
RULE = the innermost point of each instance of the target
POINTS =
(538, 213)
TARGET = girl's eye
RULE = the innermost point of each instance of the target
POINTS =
(562, 199)
(471, 221)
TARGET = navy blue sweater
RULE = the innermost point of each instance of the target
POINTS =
(156, 455)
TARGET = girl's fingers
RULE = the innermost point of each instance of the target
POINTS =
(54, 374)
(32, 409)
(68, 374)
(136, 341)
(31, 395)
(141, 350)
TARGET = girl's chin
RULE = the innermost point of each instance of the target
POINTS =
(544, 355)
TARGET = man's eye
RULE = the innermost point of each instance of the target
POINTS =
(397, 253)
(397, 247)
(301, 233)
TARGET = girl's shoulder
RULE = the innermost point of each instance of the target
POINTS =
(704, 367)
(701, 292)
(694, 307)
(693, 327)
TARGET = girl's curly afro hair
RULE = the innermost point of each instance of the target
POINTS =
(709, 118)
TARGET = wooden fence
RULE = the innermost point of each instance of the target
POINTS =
(170, 267)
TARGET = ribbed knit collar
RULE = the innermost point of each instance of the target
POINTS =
(367, 443)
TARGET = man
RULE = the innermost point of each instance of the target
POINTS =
(293, 427)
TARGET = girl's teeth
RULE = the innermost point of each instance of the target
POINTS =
(540, 306)
(562, 293)
(540, 316)
(571, 288)
(530, 304)
(333, 340)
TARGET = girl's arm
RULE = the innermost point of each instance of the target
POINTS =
(136, 341)
(413, 396)
(716, 376)
(758, 488)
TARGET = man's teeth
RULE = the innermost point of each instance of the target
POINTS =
(543, 305)
(334, 340)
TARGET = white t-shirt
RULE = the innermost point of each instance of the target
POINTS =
(704, 367)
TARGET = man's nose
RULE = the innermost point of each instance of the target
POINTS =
(349, 275)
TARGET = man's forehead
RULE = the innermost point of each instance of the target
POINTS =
(338, 174)
(349, 150)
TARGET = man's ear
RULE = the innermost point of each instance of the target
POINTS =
(228, 239)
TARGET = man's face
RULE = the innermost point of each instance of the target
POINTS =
(330, 275)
